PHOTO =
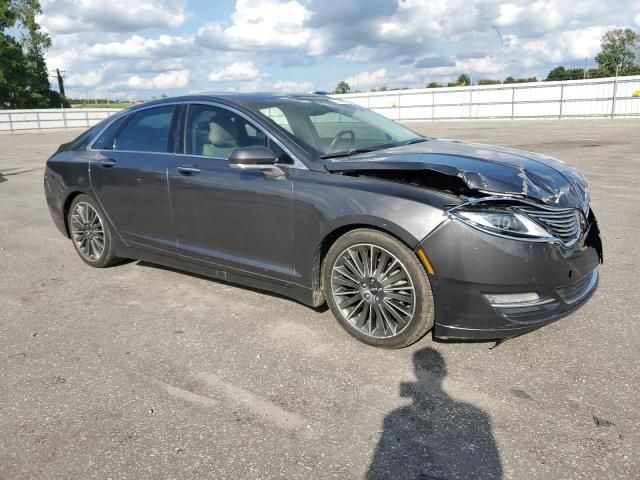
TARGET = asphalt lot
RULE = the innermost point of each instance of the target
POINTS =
(141, 372)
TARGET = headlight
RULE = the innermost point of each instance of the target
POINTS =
(503, 222)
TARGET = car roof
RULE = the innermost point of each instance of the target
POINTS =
(231, 97)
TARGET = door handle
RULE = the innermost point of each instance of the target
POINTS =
(188, 170)
(107, 163)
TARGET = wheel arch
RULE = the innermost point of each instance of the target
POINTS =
(67, 205)
(332, 236)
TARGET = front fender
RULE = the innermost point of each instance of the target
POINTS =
(325, 203)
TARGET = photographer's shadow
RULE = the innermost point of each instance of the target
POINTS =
(436, 437)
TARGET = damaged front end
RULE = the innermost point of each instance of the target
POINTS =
(518, 249)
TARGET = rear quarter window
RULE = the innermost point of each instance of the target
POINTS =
(107, 139)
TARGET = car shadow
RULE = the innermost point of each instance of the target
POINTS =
(435, 437)
(4, 174)
(320, 309)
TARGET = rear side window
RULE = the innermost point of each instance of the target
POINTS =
(147, 131)
(107, 139)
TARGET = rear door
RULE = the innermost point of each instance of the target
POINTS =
(227, 217)
(129, 177)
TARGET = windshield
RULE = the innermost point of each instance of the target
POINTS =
(331, 127)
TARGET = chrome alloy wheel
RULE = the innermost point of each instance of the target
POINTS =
(87, 231)
(373, 290)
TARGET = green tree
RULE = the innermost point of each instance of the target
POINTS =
(13, 71)
(488, 82)
(24, 79)
(434, 85)
(463, 80)
(520, 80)
(561, 73)
(343, 87)
(619, 52)
(35, 42)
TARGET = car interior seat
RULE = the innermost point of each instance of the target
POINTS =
(223, 138)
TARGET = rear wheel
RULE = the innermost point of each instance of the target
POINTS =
(90, 233)
(377, 289)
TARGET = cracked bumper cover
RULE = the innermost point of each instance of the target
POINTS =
(469, 264)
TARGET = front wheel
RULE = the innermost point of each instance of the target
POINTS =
(377, 289)
(90, 233)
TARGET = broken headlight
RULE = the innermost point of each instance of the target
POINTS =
(504, 222)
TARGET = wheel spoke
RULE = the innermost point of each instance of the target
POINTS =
(397, 289)
(346, 292)
(400, 321)
(403, 298)
(388, 270)
(383, 259)
(345, 282)
(355, 309)
(343, 271)
(356, 262)
(399, 308)
(349, 301)
(393, 279)
(371, 259)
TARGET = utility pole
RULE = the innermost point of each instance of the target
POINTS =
(501, 55)
(60, 81)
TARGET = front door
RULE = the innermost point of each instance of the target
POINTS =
(235, 219)
(129, 178)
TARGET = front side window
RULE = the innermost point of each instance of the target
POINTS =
(328, 126)
(147, 131)
(216, 132)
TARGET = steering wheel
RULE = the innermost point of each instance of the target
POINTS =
(339, 135)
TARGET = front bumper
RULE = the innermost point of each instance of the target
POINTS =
(469, 263)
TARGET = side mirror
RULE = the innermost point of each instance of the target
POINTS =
(256, 158)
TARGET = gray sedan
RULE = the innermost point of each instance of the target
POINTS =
(324, 201)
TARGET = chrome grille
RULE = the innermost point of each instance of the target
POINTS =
(563, 223)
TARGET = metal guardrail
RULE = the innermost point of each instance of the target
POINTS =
(610, 97)
(43, 119)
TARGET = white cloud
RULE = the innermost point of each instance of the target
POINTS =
(108, 47)
(367, 79)
(260, 24)
(236, 72)
(292, 86)
(85, 80)
(163, 81)
(139, 47)
(557, 48)
(69, 16)
(417, 21)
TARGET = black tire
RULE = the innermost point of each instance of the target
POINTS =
(107, 257)
(422, 319)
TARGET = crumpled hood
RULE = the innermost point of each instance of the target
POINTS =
(485, 168)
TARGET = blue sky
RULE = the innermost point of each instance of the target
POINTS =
(136, 49)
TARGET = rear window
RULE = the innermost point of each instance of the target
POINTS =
(147, 131)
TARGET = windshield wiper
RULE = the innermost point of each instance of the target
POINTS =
(346, 153)
(415, 140)
(353, 151)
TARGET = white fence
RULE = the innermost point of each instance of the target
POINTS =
(606, 97)
(15, 120)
